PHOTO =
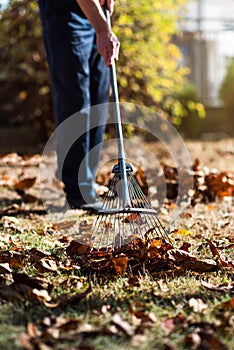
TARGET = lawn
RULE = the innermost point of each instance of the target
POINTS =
(57, 294)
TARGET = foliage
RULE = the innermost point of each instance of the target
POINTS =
(227, 89)
(149, 62)
(184, 103)
(149, 70)
(25, 91)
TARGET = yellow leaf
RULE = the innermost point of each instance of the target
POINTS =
(182, 232)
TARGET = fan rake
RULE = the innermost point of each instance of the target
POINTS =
(126, 213)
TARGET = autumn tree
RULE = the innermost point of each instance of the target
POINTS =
(149, 70)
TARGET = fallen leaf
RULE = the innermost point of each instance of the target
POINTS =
(120, 263)
(133, 282)
(66, 299)
(182, 232)
(179, 255)
(185, 246)
(25, 341)
(228, 304)
(203, 337)
(25, 184)
(134, 218)
(37, 254)
(76, 248)
(10, 294)
(224, 287)
(23, 278)
(64, 225)
(215, 252)
(5, 268)
(46, 265)
(142, 180)
(122, 325)
(197, 305)
(32, 330)
(200, 266)
(41, 295)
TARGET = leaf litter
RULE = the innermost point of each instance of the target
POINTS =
(29, 274)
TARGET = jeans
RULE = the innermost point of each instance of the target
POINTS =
(79, 80)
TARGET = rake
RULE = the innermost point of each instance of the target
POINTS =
(126, 213)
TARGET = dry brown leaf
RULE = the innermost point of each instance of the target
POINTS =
(133, 282)
(25, 184)
(145, 316)
(179, 255)
(134, 218)
(23, 289)
(37, 254)
(71, 324)
(185, 246)
(200, 266)
(215, 252)
(76, 248)
(66, 299)
(224, 287)
(5, 268)
(51, 333)
(64, 225)
(46, 265)
(17, 260)
(32, 282)
(142, 180)
(28, 198)
(10, 294)
(120, 263)
(10, 221)
(228, 304)
(204, 337)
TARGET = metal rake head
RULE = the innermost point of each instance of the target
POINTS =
(117, 225)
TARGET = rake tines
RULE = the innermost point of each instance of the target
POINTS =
(117, 224)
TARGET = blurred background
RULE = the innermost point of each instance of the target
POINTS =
(177, 57)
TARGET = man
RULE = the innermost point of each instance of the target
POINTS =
(80, 47)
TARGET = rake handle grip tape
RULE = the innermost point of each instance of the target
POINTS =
(118, 126)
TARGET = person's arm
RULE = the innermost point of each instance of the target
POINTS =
(107, 42)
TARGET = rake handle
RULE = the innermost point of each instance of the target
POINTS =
(118, 126)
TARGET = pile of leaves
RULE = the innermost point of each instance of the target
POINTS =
(154, 255)
(209, 185)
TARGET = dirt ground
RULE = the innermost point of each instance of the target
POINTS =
(150, 156)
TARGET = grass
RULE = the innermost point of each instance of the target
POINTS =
(162, 295)
(162, 310)
(164, 298)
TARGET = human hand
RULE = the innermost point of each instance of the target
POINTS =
(108, 46)
(109, 3)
